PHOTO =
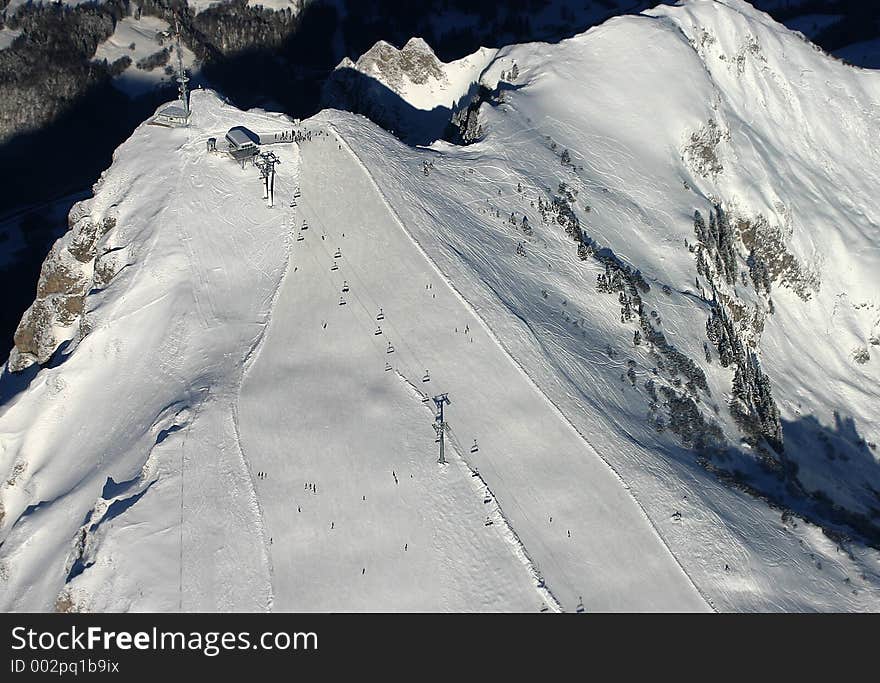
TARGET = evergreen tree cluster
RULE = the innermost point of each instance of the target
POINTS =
(559, 210)
(687, 421)
(49, 65)
(720, 331)
(233, 26)
(752, 404)
(669, 358)
(150, 62)
(511, 75)
(716, 244)
(759, 273)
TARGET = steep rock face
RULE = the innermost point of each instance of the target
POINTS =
(413, 65)
(69, 272)
(408, 91)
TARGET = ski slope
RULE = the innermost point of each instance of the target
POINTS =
(319, 406)
(126, 488)
(220, 426)
(637, 181)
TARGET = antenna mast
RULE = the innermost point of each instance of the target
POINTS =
(181, 74)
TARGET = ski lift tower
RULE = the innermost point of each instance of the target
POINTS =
(440, 423)
(266, 161)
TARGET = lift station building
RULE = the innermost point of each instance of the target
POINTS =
(243, 143)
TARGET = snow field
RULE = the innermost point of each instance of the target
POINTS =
(536, 465)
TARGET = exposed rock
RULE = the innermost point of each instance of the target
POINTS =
(861, 355)
(414, 63)
(701, 152)
(67, 275)
(770, 260)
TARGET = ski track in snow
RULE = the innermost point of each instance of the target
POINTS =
(485, 492)
(519, 367)
(256, 444)
(259, 353)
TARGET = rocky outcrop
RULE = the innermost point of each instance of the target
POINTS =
(415, 63)
(388, 86)
(69, 272)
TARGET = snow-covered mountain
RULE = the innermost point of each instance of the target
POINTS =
(647, 285)
(410, 91)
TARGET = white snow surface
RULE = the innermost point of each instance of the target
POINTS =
(294, 6)
(133, 465)
(8, 36)
(148, 399)
(143, 34)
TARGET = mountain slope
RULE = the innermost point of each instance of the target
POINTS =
(784, 344)
(692, 397)
(125, 480)
(358, 430)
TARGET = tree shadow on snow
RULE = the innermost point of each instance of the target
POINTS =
(829, 476)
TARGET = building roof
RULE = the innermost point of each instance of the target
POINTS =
(241, 136)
